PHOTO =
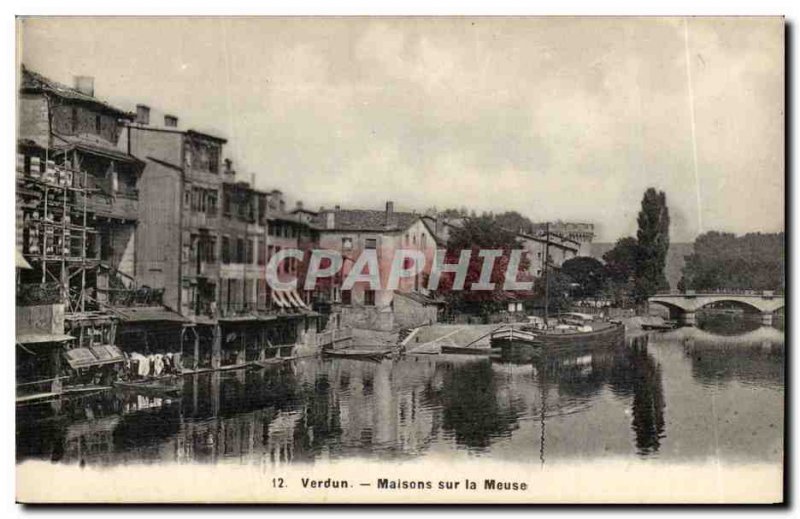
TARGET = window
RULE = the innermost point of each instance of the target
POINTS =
(369, 297)
(371, 243)
(226, 250)
(262, 252)
(347, 243)
(213, 159)
(347, 297)
(98, 126)
(74, 121)
(226, 203)
(211, 206)
(250, 252)
(240, 251)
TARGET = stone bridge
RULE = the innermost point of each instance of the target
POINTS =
(684, 305)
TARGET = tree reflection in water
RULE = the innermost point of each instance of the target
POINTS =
(470, 408)
(636, 374)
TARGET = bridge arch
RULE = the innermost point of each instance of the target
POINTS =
(675, 310)
(685, 304)
(737, 302)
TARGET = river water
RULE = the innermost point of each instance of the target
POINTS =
(691, 394)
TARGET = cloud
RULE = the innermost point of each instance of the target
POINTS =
(556, 118)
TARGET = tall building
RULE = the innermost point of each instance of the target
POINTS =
(77, 211)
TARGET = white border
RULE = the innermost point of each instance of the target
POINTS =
(387, 7)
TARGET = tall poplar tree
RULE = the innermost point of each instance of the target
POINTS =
(653, 240)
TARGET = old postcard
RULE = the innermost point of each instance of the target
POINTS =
(400, 260)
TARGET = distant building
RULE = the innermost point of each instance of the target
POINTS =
(558, 248)
(582, 233)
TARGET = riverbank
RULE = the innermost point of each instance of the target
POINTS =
(429, 338)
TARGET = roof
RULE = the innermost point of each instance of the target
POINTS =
(96, 148)
(34, 82)
(543, 239)
(365, 220)
(202, 135)
(420, 298)
(303, 210)
(138, 314)
(37, 338)
(93, 356)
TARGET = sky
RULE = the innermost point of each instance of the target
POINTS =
(560, 119)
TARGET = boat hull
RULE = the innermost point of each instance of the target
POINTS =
(517, 347)
(368, 355)
(461, 350)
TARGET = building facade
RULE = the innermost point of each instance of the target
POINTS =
(352, 232)
(582, 233)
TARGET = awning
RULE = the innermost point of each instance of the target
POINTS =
(278, 299)
(288, 299)
(36, 338)
(21, 262)
(295, 298)
(94, 356)
(138, 314)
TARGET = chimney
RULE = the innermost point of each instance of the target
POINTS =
(299, 205)
(142, 114)
(330, 220)
(84, 85)
(336, 207)
(389, 212)
(170, 121)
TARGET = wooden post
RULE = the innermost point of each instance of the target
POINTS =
(196, 361)
(216, 347)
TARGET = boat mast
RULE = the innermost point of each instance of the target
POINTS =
(546, 280)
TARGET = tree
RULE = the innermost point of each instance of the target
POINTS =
(754, 261)
(475, 234)
(514, 221)
(589, 273)
(653, 240)
(558, 290)
(621, 265)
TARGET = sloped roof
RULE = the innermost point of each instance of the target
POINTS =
(365, 220)
(96, 147)
(420, 298)
(34, 82)
(148, 314)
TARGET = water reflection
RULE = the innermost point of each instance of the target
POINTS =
(610, 401)
(637, 375)
(475, 408)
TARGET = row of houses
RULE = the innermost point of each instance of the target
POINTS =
(154, 244)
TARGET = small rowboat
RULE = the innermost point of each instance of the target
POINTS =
(266, 363)
(150, 387)
(659, 326)
(370, 355)
(461, 350)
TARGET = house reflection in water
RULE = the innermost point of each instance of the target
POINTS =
(601, 403)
